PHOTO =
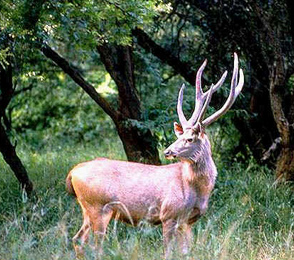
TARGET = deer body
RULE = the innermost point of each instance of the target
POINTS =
(173, 195)
(143, 192)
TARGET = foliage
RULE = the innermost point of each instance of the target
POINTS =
(245, 220)
(57, 109)
(4, 54)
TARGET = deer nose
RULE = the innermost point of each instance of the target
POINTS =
(169, 153)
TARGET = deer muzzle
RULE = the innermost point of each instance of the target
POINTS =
(169, 154)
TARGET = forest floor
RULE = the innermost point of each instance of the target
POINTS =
(249, 216)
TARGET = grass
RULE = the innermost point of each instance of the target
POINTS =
(249, 217)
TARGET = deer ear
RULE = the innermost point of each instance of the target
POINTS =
(178, 129)
(197, 128)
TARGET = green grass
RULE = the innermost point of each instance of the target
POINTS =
(249, 217)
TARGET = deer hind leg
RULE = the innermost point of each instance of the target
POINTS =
(83, 235)
(99, 219)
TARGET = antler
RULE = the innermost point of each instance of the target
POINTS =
(234, 92)
(200, 97)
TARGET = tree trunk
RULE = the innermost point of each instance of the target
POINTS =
(285, 165)
(11, 158)
(6, 148)
(138, 141)
(284, 121)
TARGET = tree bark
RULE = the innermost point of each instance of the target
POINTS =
(139, 143)
(285, 123)
(119, 64)
(285, 165)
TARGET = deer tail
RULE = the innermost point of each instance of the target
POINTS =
(69, 187)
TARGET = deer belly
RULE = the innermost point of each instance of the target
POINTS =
(194, 215)
(135, 213)
(198, 210)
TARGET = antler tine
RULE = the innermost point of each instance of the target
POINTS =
(181, 115)
(234, 92)
(198, 79)
(199, 99)
(240, 84)
(205, 106)
(217, 85)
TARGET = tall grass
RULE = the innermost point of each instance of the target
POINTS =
(249, 217)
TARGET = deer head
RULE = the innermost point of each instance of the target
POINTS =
(192, 142)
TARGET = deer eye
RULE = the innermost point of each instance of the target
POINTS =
(190, 140)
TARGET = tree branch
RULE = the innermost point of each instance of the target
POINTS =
(78, 78)
(165, 55)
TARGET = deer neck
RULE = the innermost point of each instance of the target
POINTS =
(199, 175)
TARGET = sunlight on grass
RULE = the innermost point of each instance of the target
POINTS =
(248, 217)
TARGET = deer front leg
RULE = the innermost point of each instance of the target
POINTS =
(184, 238)
(169, 239)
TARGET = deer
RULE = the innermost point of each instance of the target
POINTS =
(175, 195)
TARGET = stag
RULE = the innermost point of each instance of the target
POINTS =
(174, 195)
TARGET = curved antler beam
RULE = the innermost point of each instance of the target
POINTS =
(234, 92)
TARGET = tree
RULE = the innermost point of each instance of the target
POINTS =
(6, 94)
(281, 98)
(139, 144)
(262, 31)
(104, 28)
(116, 54)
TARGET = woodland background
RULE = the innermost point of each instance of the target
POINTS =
(82, 79)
